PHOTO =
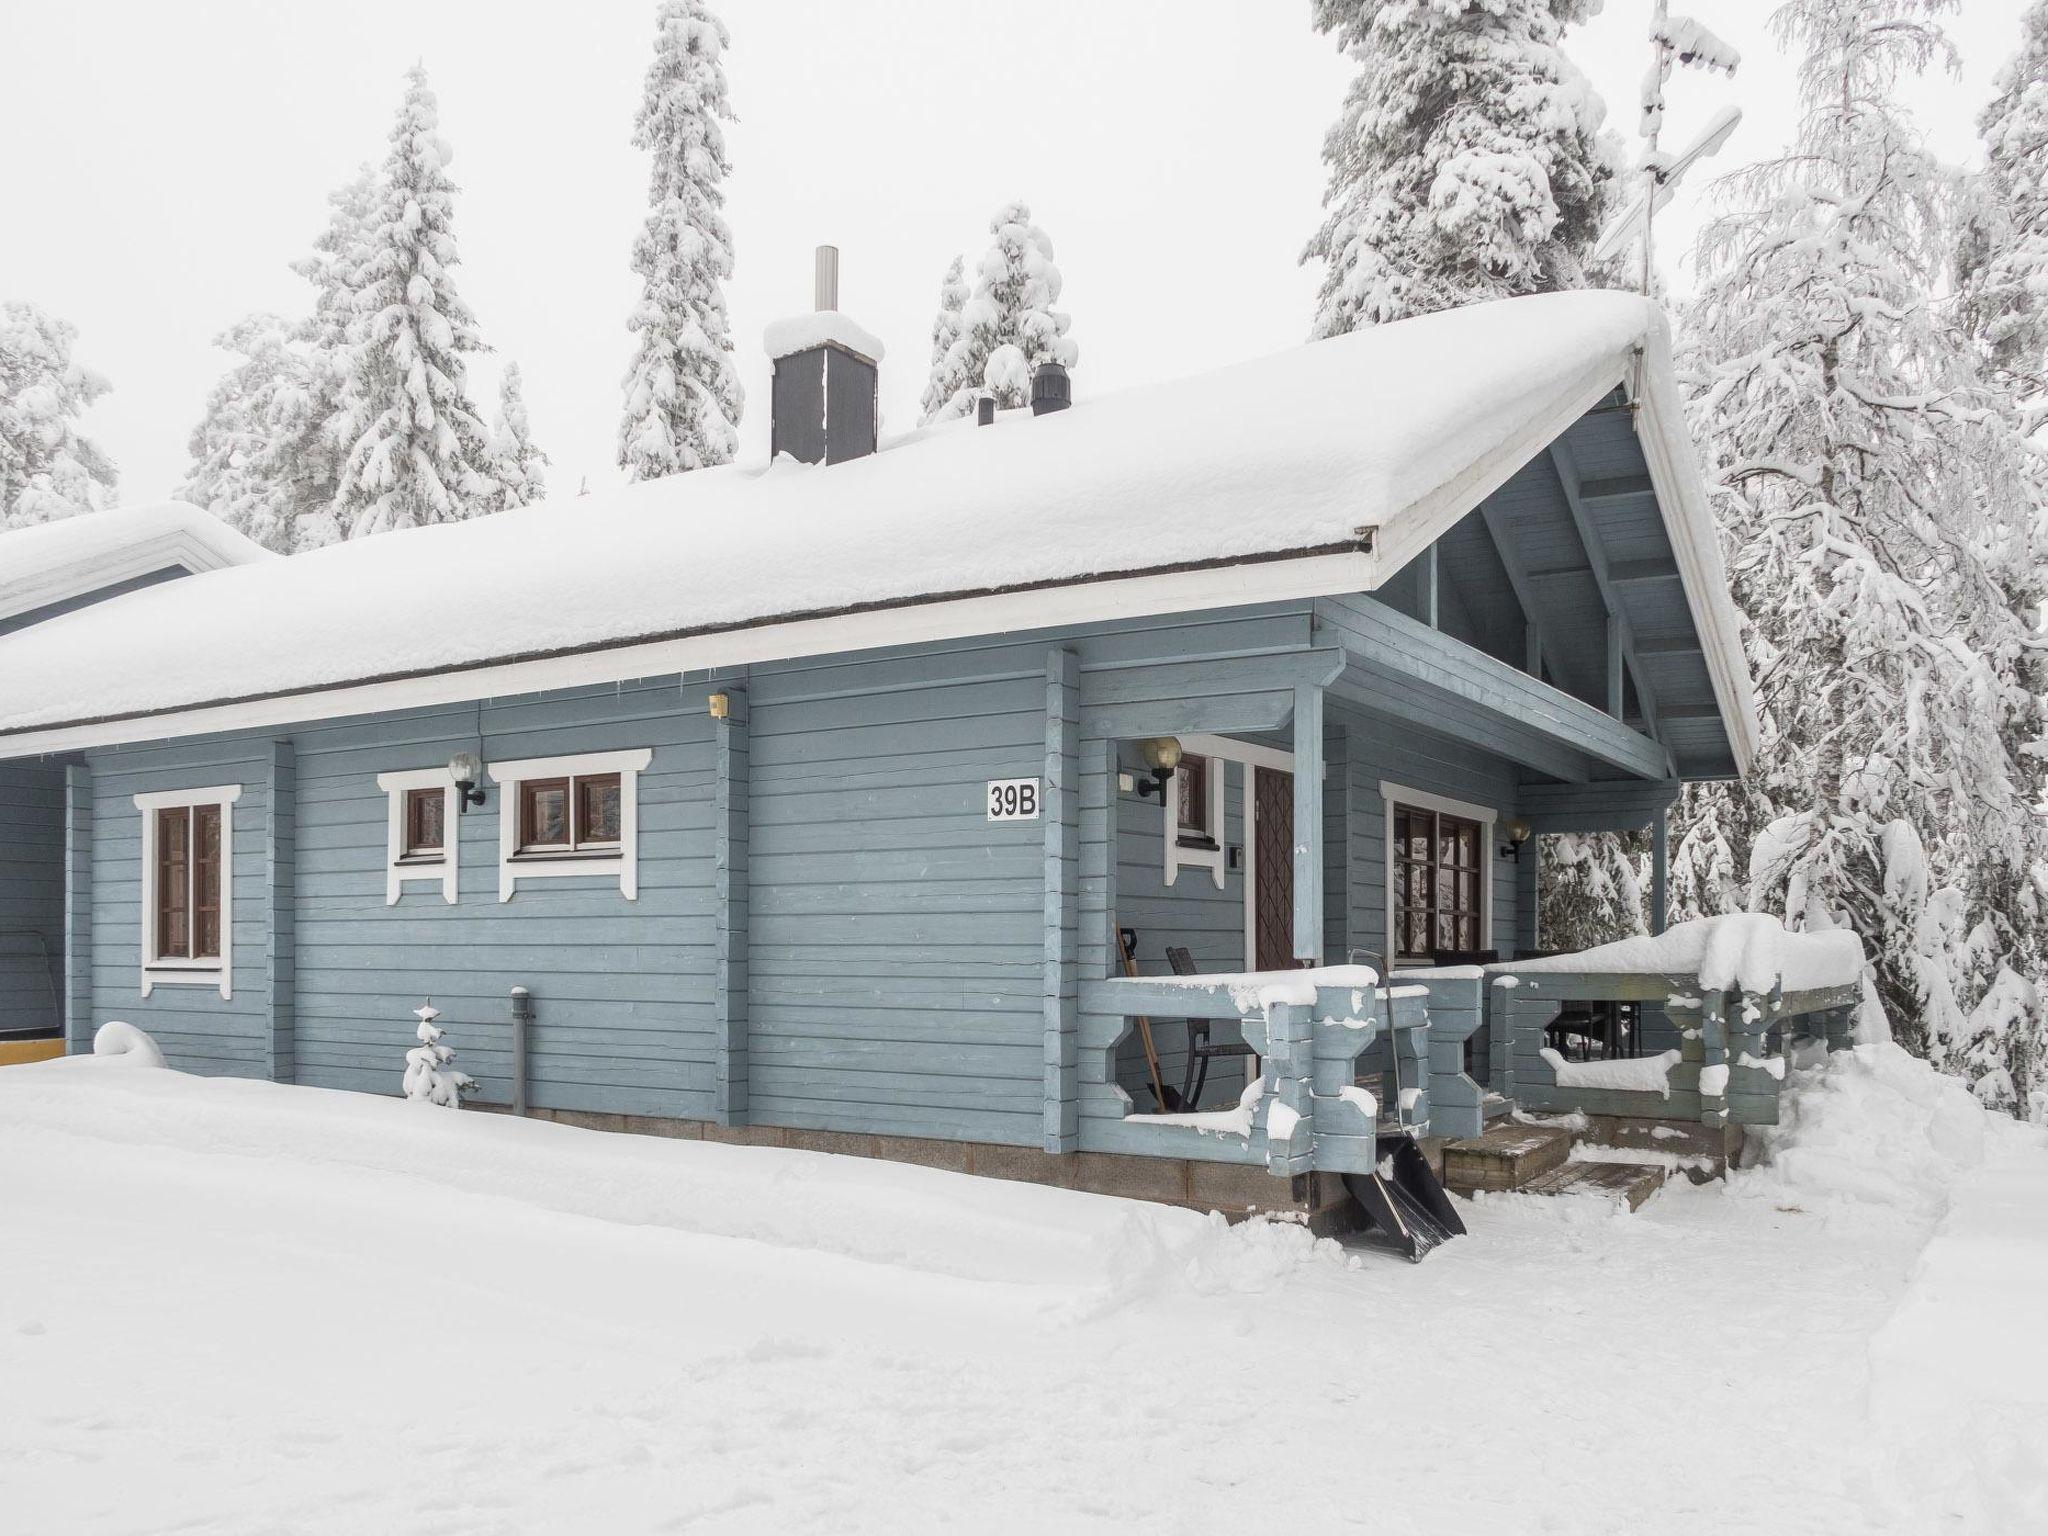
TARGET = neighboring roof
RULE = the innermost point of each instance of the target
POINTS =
(51, 563)
(1322, 469)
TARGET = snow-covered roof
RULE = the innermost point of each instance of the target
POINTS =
(1319, 470)
(55, 562)
(797, 333)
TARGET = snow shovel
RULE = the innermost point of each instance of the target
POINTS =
(1168, 1100)
(1403, 1201)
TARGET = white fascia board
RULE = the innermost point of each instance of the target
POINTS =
(1082, 602)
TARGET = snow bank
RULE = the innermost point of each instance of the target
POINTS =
(1393, 426)
(1747, 950)
(1643, 1074)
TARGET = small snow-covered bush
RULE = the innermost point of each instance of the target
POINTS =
(430, 1075)
(125, 1043)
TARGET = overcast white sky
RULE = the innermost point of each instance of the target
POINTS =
(165, 162)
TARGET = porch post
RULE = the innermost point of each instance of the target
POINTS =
(280, 917)
(731, 836)
(78, 808)
(1061, 993)
(1308, 824)
(1660, 874)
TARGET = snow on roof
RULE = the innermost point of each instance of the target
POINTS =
(52, 562)
(1334, 462)
(1747, 950)
(797, 333)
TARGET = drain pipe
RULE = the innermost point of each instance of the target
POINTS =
(522, 1020)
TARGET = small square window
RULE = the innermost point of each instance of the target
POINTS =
(426, 813)
(544, 813)
(597, 809)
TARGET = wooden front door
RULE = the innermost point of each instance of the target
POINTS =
(1273, 870)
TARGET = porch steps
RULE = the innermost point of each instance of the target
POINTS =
(1631, 1183)
(1508, 1155)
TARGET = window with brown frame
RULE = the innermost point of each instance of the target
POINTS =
(1191, 786)
(566, 814)
(1438, 866)
(188, 874)
(426, 824)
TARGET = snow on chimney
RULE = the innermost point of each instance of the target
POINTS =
(826, 373)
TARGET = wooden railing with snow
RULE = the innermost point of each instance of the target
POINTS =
(1308, 1028)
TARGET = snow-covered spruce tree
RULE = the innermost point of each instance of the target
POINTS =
(1591, 891)
(430, 1074)
(946, 380)
(1875, 510)
(682, 395)
(1468, 162)
(2003, 254)
(48, 468)
(416, 450)
(240, 449)
(518, 466)
(1009, 326)
(315, 446)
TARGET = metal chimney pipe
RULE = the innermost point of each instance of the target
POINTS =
(825, 285)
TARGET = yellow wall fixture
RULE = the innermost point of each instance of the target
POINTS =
(721, 706)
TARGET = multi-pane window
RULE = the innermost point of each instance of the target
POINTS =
(1438, 866)
(568, 813)
(188, 876)
(426, 816)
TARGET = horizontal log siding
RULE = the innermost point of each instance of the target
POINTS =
(622, 989)
(198, 1029)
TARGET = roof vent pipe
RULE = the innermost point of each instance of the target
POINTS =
(1051, 389)
(985, 409)
(825, 282)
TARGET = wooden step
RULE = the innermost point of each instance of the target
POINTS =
(1508, 1156)
(1630, 1182)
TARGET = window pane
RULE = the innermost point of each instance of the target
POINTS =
(173, 883)
(544, 813)
(425, 813)
(206, 876)
(597, 802)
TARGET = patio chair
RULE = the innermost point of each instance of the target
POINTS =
(1201, 1050)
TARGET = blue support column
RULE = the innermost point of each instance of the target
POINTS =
(280, 911)
(1660, 874)
(1308, 824)
(78, 808)
(1062, 888)
(731, 894)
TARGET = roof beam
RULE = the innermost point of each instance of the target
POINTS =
(1617, 488)
(1668, 645)
(1621, 639)
(1519, 581)
(1621, 572)
(1692, 711)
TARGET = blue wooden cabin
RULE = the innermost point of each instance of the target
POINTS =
(805, 803)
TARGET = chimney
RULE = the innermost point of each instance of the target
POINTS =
(1051, 389)
(823, 400)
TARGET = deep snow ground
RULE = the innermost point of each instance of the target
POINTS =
(234, 1307)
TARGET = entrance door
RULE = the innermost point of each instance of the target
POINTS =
(1273, 870)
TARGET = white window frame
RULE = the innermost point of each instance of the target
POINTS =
(1392, 794)
(400, 870)
(624, 861)
(1177, 856)
(189, 973)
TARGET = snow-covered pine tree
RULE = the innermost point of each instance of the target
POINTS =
(1009, 326)
(518, 466)
(48, 468)
(2003, 255)
(417, 452)
(1468, 162)
(1874, 508)
(240, 449)
(1592, 889)
(682, 395)
(430, 1074)
(945, 380)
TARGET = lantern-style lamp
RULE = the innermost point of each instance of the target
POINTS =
(467, 770)
(1162, 755)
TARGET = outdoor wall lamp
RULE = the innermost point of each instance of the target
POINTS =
(1162, 756)
(1518, 833)
(466, 769)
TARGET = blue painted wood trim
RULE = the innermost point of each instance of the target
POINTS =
(732, 839)
(1062, 978)
(1528, 895)
(1308, 824)
(78, 804)
(280, 910)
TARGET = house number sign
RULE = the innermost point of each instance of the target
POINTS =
(1013, 799)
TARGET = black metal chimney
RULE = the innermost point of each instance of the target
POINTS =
(1051, 389)
(823, 399)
